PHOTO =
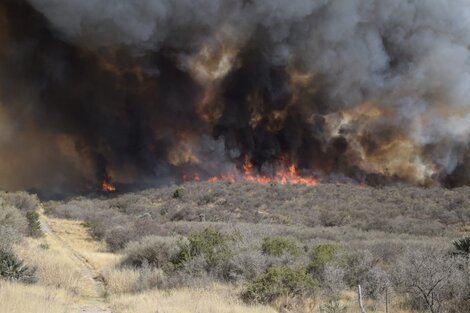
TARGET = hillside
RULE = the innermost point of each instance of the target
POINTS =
(246, 247)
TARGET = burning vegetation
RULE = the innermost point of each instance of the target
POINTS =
(288, 92)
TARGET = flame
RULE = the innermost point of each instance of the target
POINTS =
(284, 173)
(107, 186)
(191, 177)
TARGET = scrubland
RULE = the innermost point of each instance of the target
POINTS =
(244, 247)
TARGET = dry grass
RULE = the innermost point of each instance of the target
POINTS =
(120, 280)
(55, 268)
(76, 235)
(217, 299)
(19, 298)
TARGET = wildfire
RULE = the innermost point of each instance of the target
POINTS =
(191, 177)
(108, 187)
(283, 175)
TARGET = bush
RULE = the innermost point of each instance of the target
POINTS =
(427, 276)
(12, 268)
(178, 193)
(10, 217)
(462, 246)
(210, 244)
(8, 236)
(321, 256)
(155, 252)
(246, 265)
(12, 226)
(278, 246)
(118, 237)
(362, 268)
(34, 225)
(22, 201)
(149, 278)
(279, 282)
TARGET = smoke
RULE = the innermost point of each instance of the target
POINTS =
(137, 91)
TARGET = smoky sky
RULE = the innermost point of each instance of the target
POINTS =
(149, 90)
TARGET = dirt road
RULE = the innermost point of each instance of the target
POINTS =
(93, 301)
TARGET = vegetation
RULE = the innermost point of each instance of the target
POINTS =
(278, 246)
(210, 244)
(280, 282)
(12, 268)
(321, 256)
(462, 246)
(288, 244)
(34, 225)
(14, 225)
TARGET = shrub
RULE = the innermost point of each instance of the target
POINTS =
(332, 306)
(332, 279)
(278, 246)
(11, 217)
(8, 236)
(178, 193)
(22, 201)
(12, 226)
(210, 243)
(462, 246)
(246, 265)
(34, 225)
(12, 268)
(279, 282)
(155, 252)
(149, 278)
(118, 237)
(321, 256)
(426, 276)
(362, 268)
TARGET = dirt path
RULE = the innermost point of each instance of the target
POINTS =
(94, 300)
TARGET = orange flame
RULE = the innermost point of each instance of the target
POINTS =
(283, 175)
(191, 177)
(108, 187)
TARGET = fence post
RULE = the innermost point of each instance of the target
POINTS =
(359, 296)
(386, 299)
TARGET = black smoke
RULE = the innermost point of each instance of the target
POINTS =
(110, 90)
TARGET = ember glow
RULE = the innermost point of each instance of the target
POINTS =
(108, 187)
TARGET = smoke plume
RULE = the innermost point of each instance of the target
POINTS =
(150, 90)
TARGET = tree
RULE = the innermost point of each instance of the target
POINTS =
(426, 276)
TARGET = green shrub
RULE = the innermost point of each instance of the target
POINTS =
(280, 282)
(332, 306)
(321, 256)
(462, 246)
(34, 225)
(178, 193)
(210, 244)
(44, 246)
(87, 224)
(278, 246)
(12, 268)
